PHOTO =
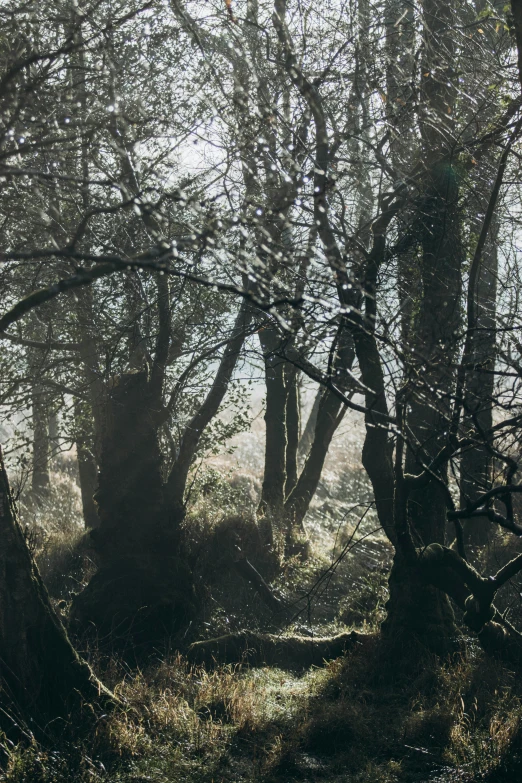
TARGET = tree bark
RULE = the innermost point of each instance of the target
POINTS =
(293, 427)
(414, 609)
(476, 462)
(274, 476)
(308, 433)
(417, 612)
(87, 465)
(90, 354)
(40, 479)
(329, 416)
(144, 587)
(43, 678)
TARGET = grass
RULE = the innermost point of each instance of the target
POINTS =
(55, 533)
(362, 718)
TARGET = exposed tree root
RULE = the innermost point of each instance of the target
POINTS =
(474, 594)
(287, 652)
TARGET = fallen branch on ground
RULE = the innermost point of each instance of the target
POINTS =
(287, 652)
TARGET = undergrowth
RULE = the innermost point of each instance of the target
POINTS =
(362, 718)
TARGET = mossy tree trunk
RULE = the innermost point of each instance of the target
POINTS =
(144, 587)
(412, 607)
(42, 676)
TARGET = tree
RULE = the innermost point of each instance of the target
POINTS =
(42, 677)
(350, 206)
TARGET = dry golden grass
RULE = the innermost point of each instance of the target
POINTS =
(364, 717)
(361, 718)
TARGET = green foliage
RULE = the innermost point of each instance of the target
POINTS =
(365, 603)
(217, 492)
(233, 418)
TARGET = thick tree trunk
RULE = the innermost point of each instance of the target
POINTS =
(42, 676)
(414, 608)
(435, 346)
(143, 586)
(476, 462)
(418, 612)
(130, 483)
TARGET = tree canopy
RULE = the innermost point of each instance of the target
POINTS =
(198, 199)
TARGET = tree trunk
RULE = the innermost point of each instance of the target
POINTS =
(87, 466)
(476, 462)
(435, 344)
(41, 480)
(415, 609)
(293, 427)
(43, 678)
(286, 495)
(330, 412)
(142, 586)
(417, 612)
(274, 477)
(90, 353)
(54, 434)
(329, 416)
(177, 480)
(308, 432)
(401, 65)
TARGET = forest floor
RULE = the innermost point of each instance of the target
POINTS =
(360, 718)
